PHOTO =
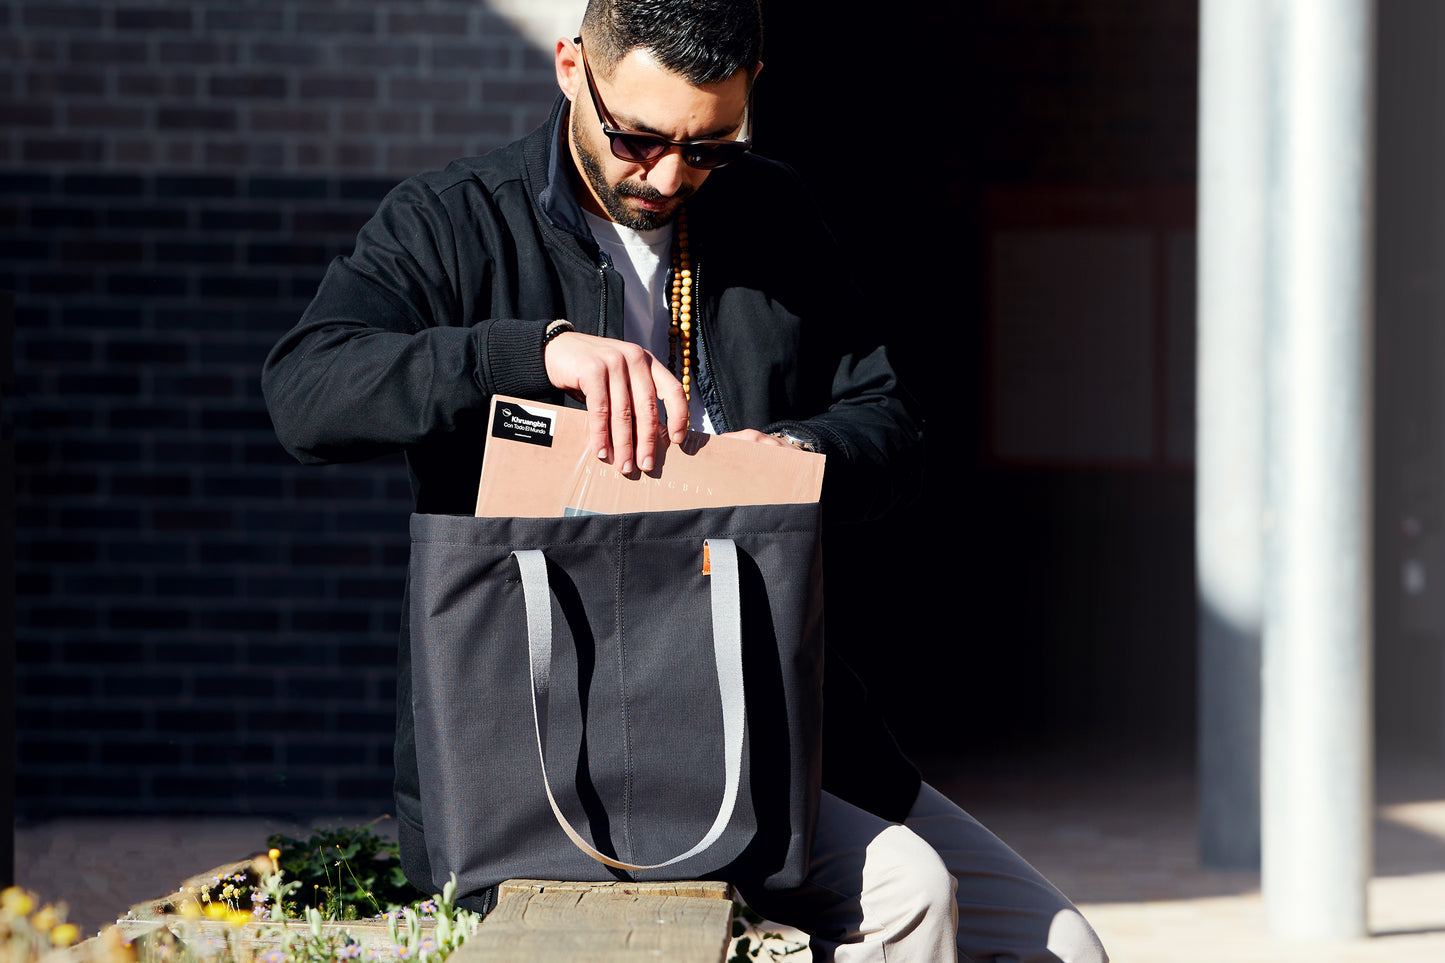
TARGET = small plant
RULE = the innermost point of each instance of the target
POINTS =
(268, 899)
(348, 873)
(750, 942)
(453, 926)
(410, 939)
(318, 944)
(225, 897)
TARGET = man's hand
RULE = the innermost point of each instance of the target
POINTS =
(621, 384)
(752, 434)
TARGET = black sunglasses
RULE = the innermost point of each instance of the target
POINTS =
(639, 147)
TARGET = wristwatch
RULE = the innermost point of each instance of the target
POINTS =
(798, 443)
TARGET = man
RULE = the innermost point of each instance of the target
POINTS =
(633, 255)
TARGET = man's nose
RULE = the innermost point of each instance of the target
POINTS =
(666, 173)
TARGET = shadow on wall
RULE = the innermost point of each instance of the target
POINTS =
(1022, 206)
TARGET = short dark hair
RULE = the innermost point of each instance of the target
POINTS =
(705, 41)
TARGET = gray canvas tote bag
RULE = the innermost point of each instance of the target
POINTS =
(591, 704)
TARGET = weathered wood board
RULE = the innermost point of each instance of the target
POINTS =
(603, 923)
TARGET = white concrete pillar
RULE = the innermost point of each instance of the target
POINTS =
(1235, 146)
(1317, 776)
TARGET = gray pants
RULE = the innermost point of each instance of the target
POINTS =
(937, 888)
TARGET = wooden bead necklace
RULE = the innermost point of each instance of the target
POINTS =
(679, 333)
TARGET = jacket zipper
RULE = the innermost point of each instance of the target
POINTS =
(602, 266)
(707, 384)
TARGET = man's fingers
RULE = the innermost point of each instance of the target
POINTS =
(644, 414)
(619, 389)
(674, 402)
(643, 370)
(593, 389)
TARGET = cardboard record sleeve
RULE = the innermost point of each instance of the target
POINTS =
(537, 465)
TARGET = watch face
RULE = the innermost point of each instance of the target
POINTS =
(793, 440)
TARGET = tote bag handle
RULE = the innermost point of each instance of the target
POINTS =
(727, 654)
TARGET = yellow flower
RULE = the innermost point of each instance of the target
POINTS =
(64, 934)
(191, 909)
(275, 854)
(216, 911)
(45, 920)
(16, 901)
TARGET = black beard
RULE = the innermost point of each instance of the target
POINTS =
(611, 197)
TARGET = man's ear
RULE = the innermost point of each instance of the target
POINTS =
(568, 61)
(754, 78)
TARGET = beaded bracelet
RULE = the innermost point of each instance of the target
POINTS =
(555, 328)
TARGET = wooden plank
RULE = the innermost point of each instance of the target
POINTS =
(603, 923)
(708, 888)
(259, 936)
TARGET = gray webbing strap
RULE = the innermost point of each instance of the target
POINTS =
(727, 654)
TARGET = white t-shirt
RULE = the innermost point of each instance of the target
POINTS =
(643, 259)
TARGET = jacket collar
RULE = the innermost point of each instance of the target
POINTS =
(552, 160)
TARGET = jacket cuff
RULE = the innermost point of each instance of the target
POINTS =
(512, 358)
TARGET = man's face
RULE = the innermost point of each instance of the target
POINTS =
(643, 96)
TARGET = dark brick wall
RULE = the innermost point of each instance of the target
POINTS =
(199, 619)
(197, 615)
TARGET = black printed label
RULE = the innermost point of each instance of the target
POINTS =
(519, 423)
